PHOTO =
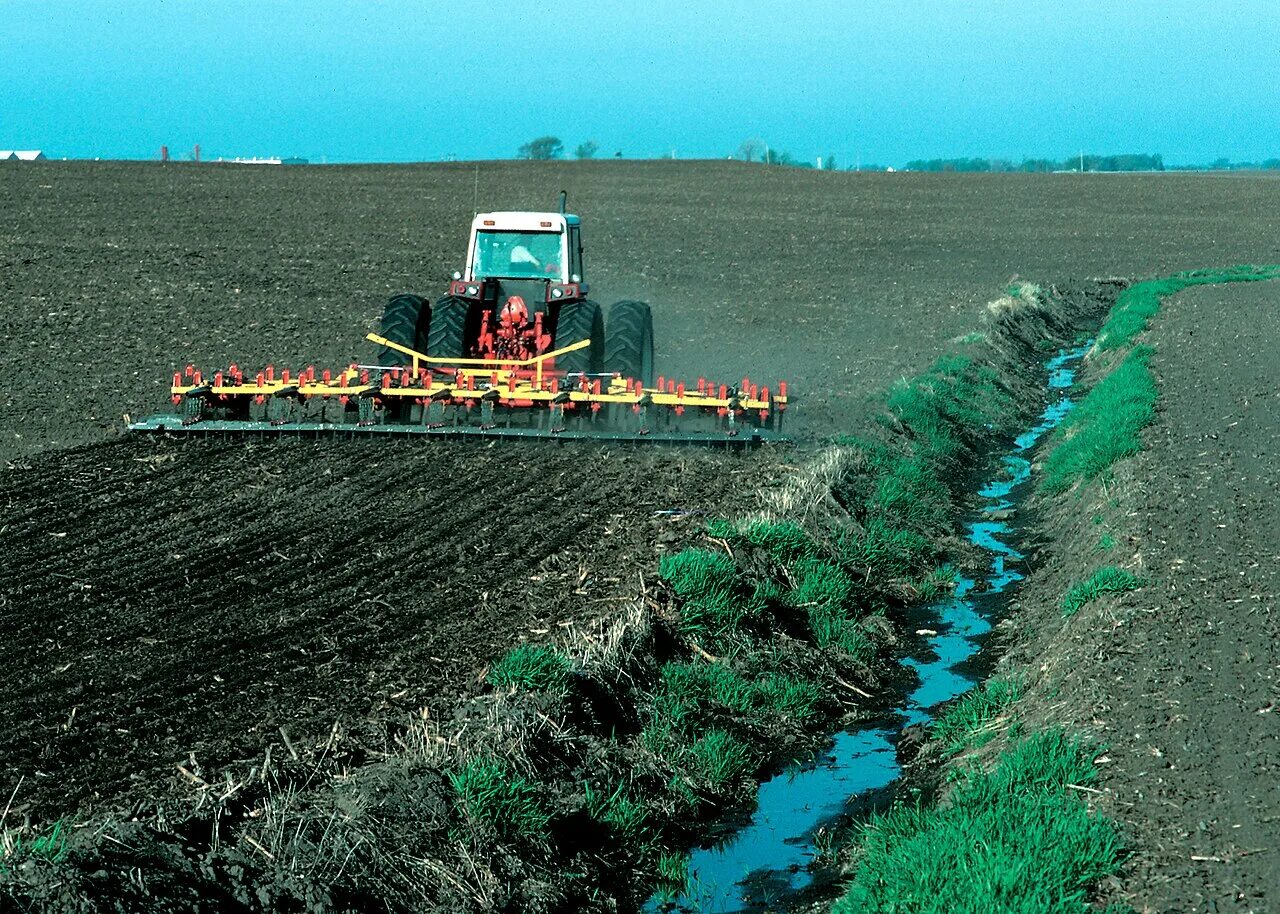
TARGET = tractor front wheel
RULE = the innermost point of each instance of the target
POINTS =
(629, 341)
(406, 320)
(577, 321)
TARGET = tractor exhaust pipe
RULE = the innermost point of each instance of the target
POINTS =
(564, 202)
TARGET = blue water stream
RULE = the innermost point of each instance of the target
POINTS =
(760, 865)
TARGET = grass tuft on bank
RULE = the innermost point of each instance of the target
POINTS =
(1016, 839)
(969, 721)
(1107, 579)
(1139, 303)
(530, 666)
(498, 801)
(1106, 426)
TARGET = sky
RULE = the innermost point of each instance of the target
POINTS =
(870, 82)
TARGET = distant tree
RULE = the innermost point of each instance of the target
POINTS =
(587, 150)
(751, 148)
(829, 163)
(543, 148)
(1271, 164)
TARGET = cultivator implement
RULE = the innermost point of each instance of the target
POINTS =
(469, 396)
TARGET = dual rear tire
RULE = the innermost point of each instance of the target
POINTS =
(622, 345)
(629, 341)
(406, 320)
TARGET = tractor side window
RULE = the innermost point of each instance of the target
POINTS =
(518, 255)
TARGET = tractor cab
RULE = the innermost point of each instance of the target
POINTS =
(536, 256)
(520, 295)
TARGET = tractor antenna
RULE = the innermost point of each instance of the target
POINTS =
(564, 202)
(475, 193)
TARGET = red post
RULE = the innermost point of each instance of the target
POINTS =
(164, 153)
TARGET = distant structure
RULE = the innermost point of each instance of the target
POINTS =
(21, 155)
(265, 160)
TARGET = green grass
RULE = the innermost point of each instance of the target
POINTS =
(620, 810)
(718, 760)
(690, 695)
(1106, 543)
(888, 553)
(718, 601)
(497, 800)
(1107, 579)
(1137, 304)
(947, 406)
(532, 667)
(1016, 840)
(967, 721)
(786, 541)
(51, 846)
(673, 874)
(1106, 426)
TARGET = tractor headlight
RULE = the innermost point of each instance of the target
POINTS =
(557, 293)
(472, 290)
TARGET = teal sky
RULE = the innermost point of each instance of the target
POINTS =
(402, 81)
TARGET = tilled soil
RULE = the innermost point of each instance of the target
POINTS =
(163, 601)
(174, 604)
(1179, 681)
(1194, 698)
(114, 274)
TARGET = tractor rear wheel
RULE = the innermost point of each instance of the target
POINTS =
(628, 345)
(405, 320)
(448, 336)
(580, 320)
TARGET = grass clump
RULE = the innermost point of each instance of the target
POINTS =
(1013, 840)
(828, 596)
(1137, 304)
(497, 800)
(627, 816)
(690, 694)
(968, 722)
(888, 553)
(1106, 426)
(786, 541)
(529, 666)
(718, 600)
(673, 874)
(718, 760)
(953, 401)
(1107, 579)
(51, 846)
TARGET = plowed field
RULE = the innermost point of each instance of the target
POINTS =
(166, 602)
(161, 600)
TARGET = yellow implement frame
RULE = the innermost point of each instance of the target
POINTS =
(482, 380)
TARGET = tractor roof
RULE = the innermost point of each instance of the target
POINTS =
(523, 222)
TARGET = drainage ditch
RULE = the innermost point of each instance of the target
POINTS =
(766, 864)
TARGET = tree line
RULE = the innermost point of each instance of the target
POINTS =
(1129, 162)
(757, 150)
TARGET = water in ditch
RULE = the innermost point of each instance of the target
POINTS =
(761, 865)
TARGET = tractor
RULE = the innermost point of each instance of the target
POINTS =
(522, 293)
(514, 348)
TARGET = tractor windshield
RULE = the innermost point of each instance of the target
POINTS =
(518, 254)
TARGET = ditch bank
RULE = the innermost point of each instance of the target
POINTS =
(1131, 656)
(578, 777)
